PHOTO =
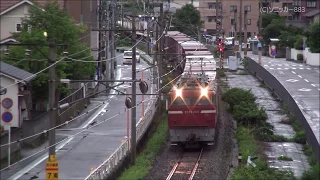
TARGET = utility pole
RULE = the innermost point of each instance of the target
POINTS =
(245, 30)
(240, 29)
(122, 15)
(133, 111)
(100, 53)
(155, 56)
(260, 29)
(112, 40)
(160, 65)
(106, 42)
(236, 42)
(52, 99)
(148, 38)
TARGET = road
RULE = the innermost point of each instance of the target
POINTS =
(90, 148)
(302, 82)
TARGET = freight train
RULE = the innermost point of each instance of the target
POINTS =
(192, 102)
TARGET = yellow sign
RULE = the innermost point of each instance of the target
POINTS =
(52, 168)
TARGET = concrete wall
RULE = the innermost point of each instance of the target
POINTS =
(312, 59)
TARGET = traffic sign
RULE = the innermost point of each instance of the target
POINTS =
(259, 38)
(7, 117)
(7, 103)
(205, 32)
(236, 43)
(52, 169)
(273, 47)
(273, 53)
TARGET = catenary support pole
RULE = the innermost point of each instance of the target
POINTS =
(148, 39)
(52, 98)
(260, 29)
(112, 52)
(9, 147)
(240, 28)
(155, 58)
(245, 31)
(133, 110)
(142, 105)
(160, 65)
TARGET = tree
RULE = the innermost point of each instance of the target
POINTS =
(268, 18)
(273, 30)
(187, 20)
(289, 35)
(312, 34)
(60, 27)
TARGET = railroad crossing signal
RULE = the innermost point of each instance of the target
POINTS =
(52, 168)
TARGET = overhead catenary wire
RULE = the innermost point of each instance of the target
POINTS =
(148, 99)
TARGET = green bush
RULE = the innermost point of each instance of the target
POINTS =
(300, 57)
(249, 114)
(236, 96)
(312, 173)
(298, 45)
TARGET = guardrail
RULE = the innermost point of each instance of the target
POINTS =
(104, 170)
(286, 98)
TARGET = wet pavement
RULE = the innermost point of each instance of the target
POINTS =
(273, 150)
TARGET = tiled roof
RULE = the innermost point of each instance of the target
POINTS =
(5, 4)
(312, 13)
(15, 72)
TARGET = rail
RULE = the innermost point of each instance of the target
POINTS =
(282, 93)
(104, 170)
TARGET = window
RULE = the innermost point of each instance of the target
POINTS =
(233, 8)
(18, 27)
(248, 8)
(276, 0)
(232, 21)
(212, 5)
(311, 3)
(211, 18)
(248, 21)
(296, 3)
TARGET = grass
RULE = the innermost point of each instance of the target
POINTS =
(145, 159)
(263, 85)
(284, 158)
(247, 143)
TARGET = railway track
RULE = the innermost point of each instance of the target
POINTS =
(186, 166)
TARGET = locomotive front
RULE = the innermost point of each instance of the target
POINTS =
(192, 111)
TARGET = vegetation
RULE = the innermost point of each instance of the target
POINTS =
(124, 41)
(145, 159)
(312, 34)
(298, 44)
(284, 158)
(252, 127)
(61, 28)
(187, 16)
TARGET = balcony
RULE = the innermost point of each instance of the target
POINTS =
(210, 25)
(208, 12)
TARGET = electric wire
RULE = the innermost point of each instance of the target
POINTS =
(147, 99)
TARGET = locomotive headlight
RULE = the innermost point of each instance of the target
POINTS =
(204, 92)
(178, 92)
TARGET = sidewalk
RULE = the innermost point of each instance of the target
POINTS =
(273, 150)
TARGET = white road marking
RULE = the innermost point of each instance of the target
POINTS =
(272, 65)
(318, 72)
(301, 68)
(294, 68)
(280, 72)
(299, 76)
(293, 65)
(292, 80)
(271, 68)
(304, 89)
(300, 65)
(286, 68)
(279, 68)
(293, 72)
(279, 64)
(306, 80)
(313, 85)
(308, 68)
(265, 65)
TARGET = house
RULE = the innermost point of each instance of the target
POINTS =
(312, 16)
(15, 95)
(82, 11)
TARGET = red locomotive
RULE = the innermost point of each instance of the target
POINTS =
(192, 115)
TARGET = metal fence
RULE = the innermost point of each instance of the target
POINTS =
(104, 170)
(283, 94)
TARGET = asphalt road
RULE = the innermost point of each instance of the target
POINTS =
(302, 81)
(90, 148)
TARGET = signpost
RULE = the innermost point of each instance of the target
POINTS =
(7, 117)
(52, 168)
(205, 32)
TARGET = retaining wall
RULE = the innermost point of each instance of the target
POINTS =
(283, 94)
